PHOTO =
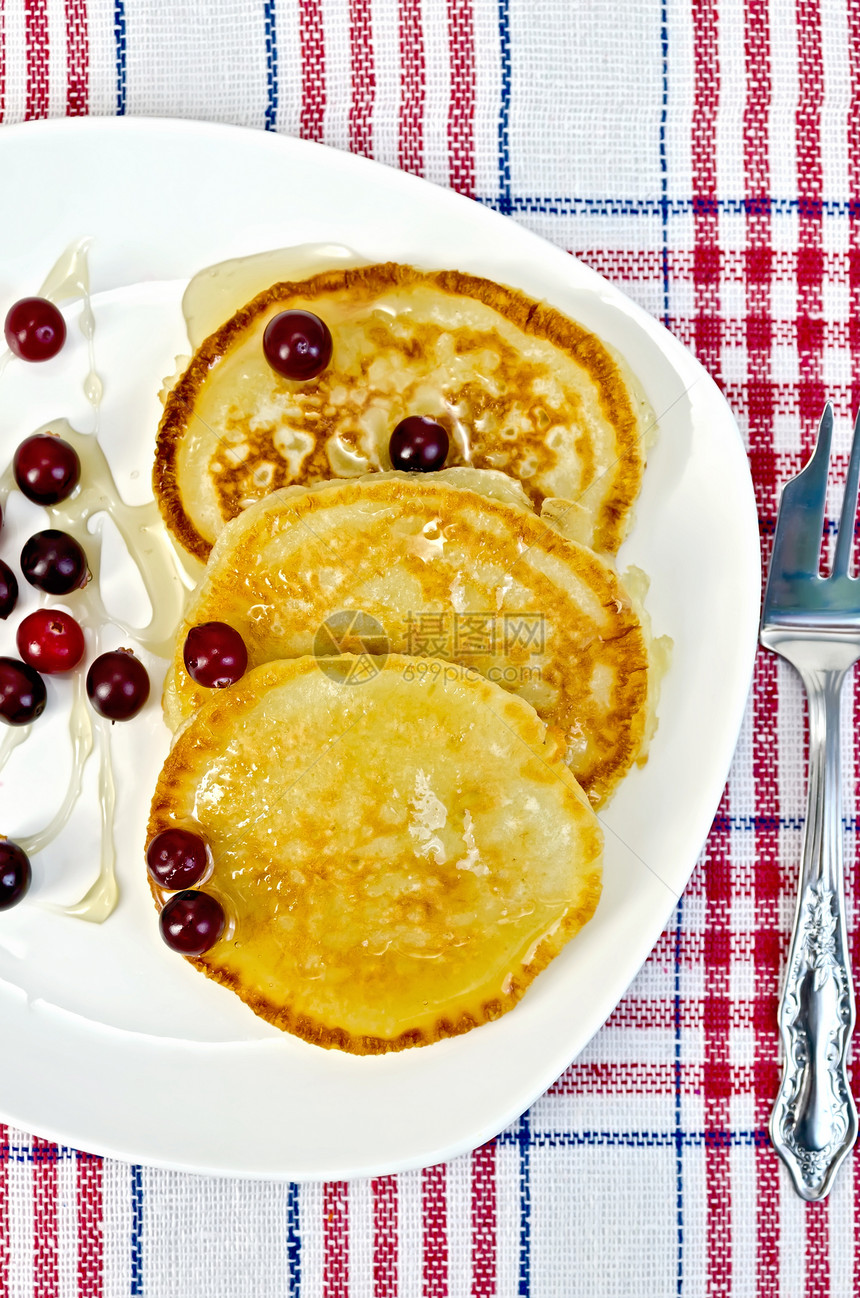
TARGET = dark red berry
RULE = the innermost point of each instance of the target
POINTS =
(117, 685)
(34, 329)
(51, 641)
(297, 344)
(15, 874)
(8, 589)
(418, 444)
(46, 468)
(192, 922)
(54, 562)
(177, 858)
(215, 655)
(22, 693)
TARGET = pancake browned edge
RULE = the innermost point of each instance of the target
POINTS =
(561, 630)
(616, 478)
(399, 858)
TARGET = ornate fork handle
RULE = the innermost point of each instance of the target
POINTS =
(814, 1120)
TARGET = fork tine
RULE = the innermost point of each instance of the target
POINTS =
(845, 535)
(800, 519)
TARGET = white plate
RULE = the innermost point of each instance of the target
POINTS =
(110, 1042)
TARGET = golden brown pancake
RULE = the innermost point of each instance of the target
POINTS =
(398, 858)
(520, 388)
(439, 569)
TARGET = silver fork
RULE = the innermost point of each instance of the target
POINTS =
(814, 622)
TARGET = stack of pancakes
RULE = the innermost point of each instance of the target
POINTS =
(446, 674)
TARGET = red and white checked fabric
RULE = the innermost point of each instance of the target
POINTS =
(705, 158)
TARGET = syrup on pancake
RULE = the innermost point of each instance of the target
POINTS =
(519, 387)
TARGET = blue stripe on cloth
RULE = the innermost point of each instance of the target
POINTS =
(758, 823)
(679, 1134)
(119, 42)
(294, 1241)
(136, 1251)
(523, 1135)
(504, 201)
(559, 206)
(716, 1138)
(664, 169)
(271, 65)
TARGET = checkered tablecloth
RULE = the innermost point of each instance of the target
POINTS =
(704, 157)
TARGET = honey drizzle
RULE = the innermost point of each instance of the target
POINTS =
(14, 736)
(69, 279)
(81, 730)
(166, 581)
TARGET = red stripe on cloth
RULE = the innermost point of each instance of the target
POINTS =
(77, 59)
(853, 133)
(852, 874)
(363, 77)
(625, 1078)
(312, 43)
(384, 1192)
(90, 1205)
(717, 1058)
(484, 1222)
(636, 264)
(434, 1214)
(2, 62)
(461, 105)
(706, 251)
(811, 394)
(410, 155)
(46, 1274)
(36, 43)
(4, 1209)
(761, 405)
(335, 1240)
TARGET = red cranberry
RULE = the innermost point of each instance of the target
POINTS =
(54, 562)
(8, 590)
(297, 344)
(177, 858)
(46, 468)
(22, 692)
(34, 329)
(117, 685)
(192, 922)
(418, 444)
(50, 640)
(215, 655)
(15, 874)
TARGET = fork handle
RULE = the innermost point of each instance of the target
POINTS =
(814, 1120)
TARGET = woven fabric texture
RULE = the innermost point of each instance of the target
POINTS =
(706, 159)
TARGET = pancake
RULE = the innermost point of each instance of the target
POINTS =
(432, 567)
(398, 859)
(520, 388)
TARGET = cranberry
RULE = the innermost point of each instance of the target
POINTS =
(51, 641)
(192, 922)
(22, 692)
(46, 468)
(8, 590)
(54, 562)
(297, 344)
(117, 685)
(34, 329)
(418, 444)
(177, 858)
(15, 874)
(215, 655)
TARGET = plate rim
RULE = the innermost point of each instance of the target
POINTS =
(326, 156)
